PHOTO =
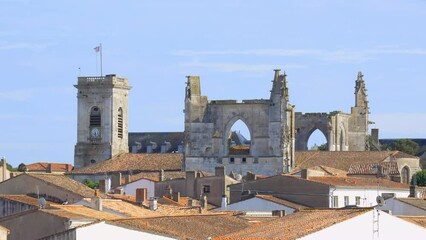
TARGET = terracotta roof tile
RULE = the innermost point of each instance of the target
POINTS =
(23, 199)
(155, 176)
(64, 182)
(135, 163)
(359, 182)
(42, 166)
(126, 208)
(421, 220)
(389, 168)
(281, 201)
(341, 159)
(187, 227)
(79, 212)
(416, 202)
(296, 225)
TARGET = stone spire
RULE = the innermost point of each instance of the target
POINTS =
(360, 92)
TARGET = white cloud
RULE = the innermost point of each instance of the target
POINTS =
(400, 124)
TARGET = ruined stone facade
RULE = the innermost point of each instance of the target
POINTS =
(208, 125)
(343, 131)
(102, 119)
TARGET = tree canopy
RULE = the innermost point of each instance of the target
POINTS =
(419, 178)
(403, 145)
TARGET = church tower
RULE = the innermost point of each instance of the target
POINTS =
(102, 129)
(358, 121)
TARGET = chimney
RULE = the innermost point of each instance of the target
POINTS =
(204, 203)
(128, 178)
(219, 171)
(96, 203)
(412, 191)
(176, 197)
(119, 190)
(140, 195)
(224, 202)
(68, 167)
(49, 168)
(102, 186)
(169, 191)
(161, 175)
(4, 170)
(153, 204)
(116, 180)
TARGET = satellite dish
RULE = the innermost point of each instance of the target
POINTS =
(41, 202)
(380, 201)
(238, 177)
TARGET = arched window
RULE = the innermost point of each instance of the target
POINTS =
(405, 175)
(239, 139)
(120, 123)
(317, 141)
(95, 117)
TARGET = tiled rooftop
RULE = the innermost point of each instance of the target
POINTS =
(416, 202)
(187, 227)
(64, 182)
(359, 182)
(421, 220)
(79, 212)
(135, 163)
(281, 201)
(23, 199)
(389, 168)
(42, 166)
(343, 159)
(126, 208)
(155, 176)
(296, 225)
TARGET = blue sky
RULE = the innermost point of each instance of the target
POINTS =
(233, 45)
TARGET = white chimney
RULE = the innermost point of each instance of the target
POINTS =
(224, 203)
(153, 204)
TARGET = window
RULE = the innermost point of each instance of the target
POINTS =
(95, 117)
(244, 160)
(206, 188)
(232, 160)
(358, 200)
(120, 123)
(346, 200)
(92, 161)
(334, 201)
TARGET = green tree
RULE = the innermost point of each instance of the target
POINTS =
(403, 145)
(419, 178)
(91, 184)
(22, 168)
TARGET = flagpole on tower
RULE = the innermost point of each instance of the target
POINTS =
(100, 46)
(98, 49)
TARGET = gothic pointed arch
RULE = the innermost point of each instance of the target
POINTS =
(95, 117)
(237, 142)
(120, 123)
(405, 175)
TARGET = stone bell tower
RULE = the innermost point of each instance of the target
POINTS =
(102, 129)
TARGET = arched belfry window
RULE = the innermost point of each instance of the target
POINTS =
(120, 123)
(95, 117)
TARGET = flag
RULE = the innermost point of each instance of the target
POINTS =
(97, 48)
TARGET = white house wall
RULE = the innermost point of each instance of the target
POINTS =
(130, 188)
(361, 227)
(401, 208)
(368, 196)
(256, 204)
(106, 231)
